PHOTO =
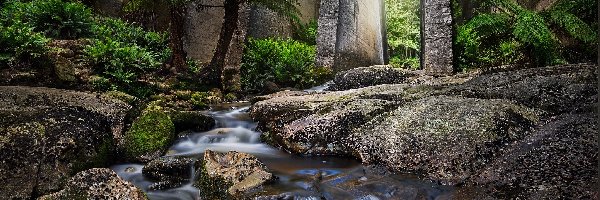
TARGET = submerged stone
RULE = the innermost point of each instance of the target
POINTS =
(169, 172)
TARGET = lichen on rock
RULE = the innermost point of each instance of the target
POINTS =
(230, 175)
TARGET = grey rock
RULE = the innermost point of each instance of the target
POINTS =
(97, 183)
(445, 138)
(50, 134)
(558, 160)
(193, 121)
(557, 89)
(368, 76)
(231, 174)
(451, 129)
(169, 172)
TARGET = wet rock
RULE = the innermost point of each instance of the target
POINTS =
(97, 183)
(232, 174)
(326, 133)
(64, 131)
(450, 130)
(319, 123)
(556, 89)
(191, 121)
(558, 160)
(169, 172)
(368, 76)
(445, 138)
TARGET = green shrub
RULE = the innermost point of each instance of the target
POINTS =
(306, 33)
(123, 53)
(54, 18)
(122, 64)
(520, 36)
(152, 131)
(109, 29)
(530, 28)
(287, 63)
(483, 42)
(19, 42)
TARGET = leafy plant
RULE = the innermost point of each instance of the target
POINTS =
(54, 18)
(287, 63)
(122, 53)
(517, 35)
(306, 33)
(18, 42)
(122, 64)
(121, 31)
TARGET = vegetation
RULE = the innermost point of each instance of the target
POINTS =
(287, 63)
(54, 18)
(121, 53)
(152, 131)
(525, 37)
(403, 32)
(18, 42)
(211, 74)
(306, 33)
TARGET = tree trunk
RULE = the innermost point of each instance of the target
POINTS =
(178, 58)
(211, 74)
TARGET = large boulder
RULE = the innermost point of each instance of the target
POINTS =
(50, 134)
(168, 172)
(558, 160)
(97, 183)
(368, 76)
(230, 175)
(320, 123)
(379, 75)
(445, 138)
(557, 89)
(452, 131)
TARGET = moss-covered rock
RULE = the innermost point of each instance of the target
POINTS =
(149, 136)
(55, 133)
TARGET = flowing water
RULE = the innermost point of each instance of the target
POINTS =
(299, 177)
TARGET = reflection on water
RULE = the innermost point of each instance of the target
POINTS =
(299, 177)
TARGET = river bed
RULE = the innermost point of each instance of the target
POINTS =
(300, 177)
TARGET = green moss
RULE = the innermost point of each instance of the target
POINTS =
(212, 187)
(131, 100)
(153, 131)
(201, 100)
(230, 97)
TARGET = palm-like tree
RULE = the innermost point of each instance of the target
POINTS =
(211, 74)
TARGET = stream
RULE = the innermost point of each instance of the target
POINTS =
(300, 177)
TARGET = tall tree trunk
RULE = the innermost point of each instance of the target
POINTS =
(212, 73)
(178, 59)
